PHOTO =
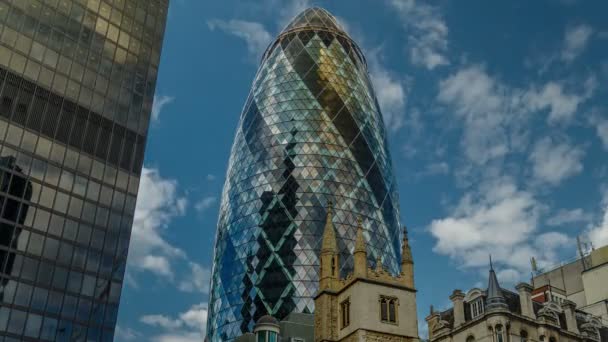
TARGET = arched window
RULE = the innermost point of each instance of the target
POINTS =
(345, 312)
(524, 336)
(552, 339)
(499, 334)
(388, 309)
(542, 337)
(471, 338)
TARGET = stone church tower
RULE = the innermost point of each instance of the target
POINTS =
(370, 304)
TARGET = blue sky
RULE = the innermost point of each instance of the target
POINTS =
(498, 126)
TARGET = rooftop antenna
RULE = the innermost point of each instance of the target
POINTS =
(534, 269)
(580, 252)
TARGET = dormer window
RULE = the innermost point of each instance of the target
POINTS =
(477, 307)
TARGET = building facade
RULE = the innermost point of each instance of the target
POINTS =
(296, 327)
(369, 304)
(77, 81)
(582, 281)
(310, 133)
(498, 315)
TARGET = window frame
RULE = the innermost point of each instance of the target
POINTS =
(477, 307)
(345, 313)
(385, 304)
(499, 334)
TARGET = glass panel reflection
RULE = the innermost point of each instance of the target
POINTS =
(77, 82)
(310, 133)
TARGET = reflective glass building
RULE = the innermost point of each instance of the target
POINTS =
(310, 133)
(77, 80)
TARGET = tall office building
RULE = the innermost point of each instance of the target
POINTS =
(77, 80)
(310, 133)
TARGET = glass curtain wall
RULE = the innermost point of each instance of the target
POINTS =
(310, 133)
(77, 81)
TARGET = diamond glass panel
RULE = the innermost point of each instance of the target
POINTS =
(310, 133)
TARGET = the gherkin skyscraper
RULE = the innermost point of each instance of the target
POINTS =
(310, 133)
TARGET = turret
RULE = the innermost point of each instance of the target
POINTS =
(360, 253)
(329, 254)
(407, 262)
(495, 299)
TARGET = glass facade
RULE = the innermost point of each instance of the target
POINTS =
(77, 81)
(310, 133)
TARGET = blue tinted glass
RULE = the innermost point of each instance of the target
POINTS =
(310, 133)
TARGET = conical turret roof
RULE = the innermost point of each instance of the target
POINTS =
(495, 298)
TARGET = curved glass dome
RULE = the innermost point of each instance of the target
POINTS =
(310, 133)
(314, 18)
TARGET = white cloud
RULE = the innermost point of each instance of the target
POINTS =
(180, 337)
(289, 9)
(500, 220)
(437, 168)
(554, 162)
(564, 217)
(494, 115)
(162, 321)
(509, 276)
(205, 203)
(575, 41)
(126, 334)
(598, 233)
(188, 326)
(494, 221)
(198, 279)
(390, 91)
(160, 101)
(482, 103)
(211, 178)
(253, 33)
(427, 32)
(157, 204)
(601, 129)
(562, 106)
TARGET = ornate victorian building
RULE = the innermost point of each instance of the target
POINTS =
(369, 304)
(500, 315)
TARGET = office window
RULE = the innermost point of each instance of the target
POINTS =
(345, 313)
(388, 309)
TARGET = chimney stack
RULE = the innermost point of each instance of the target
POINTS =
(525, 299)
(457, 299)
(569, 308)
